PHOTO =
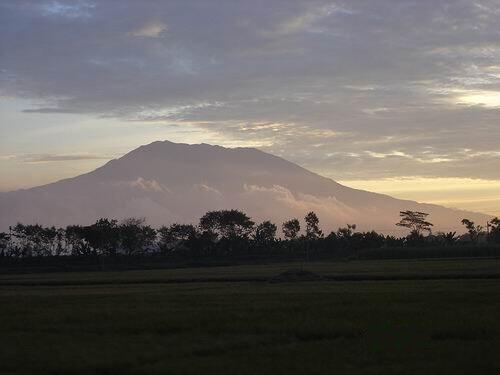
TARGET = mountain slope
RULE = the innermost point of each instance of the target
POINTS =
(168, 182)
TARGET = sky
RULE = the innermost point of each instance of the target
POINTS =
(394, 96)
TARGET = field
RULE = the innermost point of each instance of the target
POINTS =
(364, 317)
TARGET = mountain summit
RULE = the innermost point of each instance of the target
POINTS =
(169, 182)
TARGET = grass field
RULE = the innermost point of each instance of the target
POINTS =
(142, 322)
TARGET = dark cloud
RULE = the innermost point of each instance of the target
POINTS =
(333, 85)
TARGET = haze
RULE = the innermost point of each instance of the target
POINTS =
(399, 97)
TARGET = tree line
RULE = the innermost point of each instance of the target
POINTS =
(228, 232)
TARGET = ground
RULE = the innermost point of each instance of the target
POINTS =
(147, 322)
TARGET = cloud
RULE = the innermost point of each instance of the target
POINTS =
(76, 9)
(307, 20)
(277, 201)
(146, 185)
(490, 99)
(150, 30)
(207, 189)
(331, 85)
(7, 157)
(50, 110)
(48, 158)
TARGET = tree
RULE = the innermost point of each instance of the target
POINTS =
(446, 239)
(312, 226)
(75, 236)
(474, 230)
(347, 232)
(372, 240)
(392, 241)
(61, 244)
(103, 236)
(33, 240)
(51, 240)
(494, 230)
(347, 236)
(291, 229)
(265, 233)
(135, 236)
(228, 224)
(175, 236)
(415, 221)
(4, 244)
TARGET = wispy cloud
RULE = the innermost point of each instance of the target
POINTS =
(50, 110)
(150, 30)
(76, 9)
(48, 158)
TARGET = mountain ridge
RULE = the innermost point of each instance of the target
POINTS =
(176, 182)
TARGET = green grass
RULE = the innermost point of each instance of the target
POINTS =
(383, 327)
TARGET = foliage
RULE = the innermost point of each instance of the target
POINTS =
(475, 231)
(135, 236)
(4, 244)
(228, 224)
(35, 240)
(77, 242)
(415, 221)
(265, 233)
(227, 233)
(312, 226)
(446, 239)
(291, 229)
(103, 236)
(175, 237)
(494, 230)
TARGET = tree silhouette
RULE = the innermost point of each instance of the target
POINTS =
(103, 236)
(135, 236)
(76, 241)
(228, 224)
(415, 221)
(447, 239)
(474, 230)
(312, 226)
(291, 229)
(176, 236)
(346, 232)
(223, 233)
(494, 233)
(265, 233)
(33, 239)
(4, 244)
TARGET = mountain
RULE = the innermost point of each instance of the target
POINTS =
(167, 182)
